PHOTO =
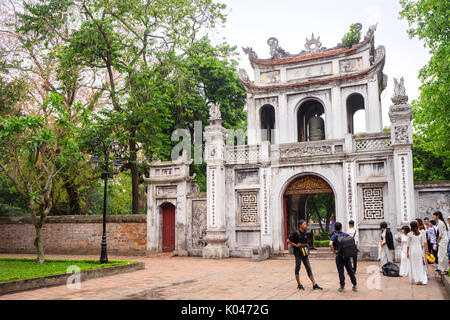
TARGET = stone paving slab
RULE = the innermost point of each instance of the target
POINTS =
(169, 277)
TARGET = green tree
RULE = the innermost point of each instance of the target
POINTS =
(123, 41)
(352, 36)
(321, 207)
(34, 150)
(427, 165)
(429, 21)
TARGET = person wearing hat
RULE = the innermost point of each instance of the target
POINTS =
(299, 241)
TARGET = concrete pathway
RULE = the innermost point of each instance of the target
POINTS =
(168, 277)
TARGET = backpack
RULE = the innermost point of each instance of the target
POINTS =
(390, 269)
(347, 246)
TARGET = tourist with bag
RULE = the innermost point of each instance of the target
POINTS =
(386, 246)
(344, 247)
(301, 252)
(433, 235)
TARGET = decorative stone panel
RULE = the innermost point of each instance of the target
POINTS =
(247, 207)
(350, 65)
(198, 223)
(373, 201)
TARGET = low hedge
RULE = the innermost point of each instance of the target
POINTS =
(321, 243)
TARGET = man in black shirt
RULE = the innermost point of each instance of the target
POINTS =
(298, 240)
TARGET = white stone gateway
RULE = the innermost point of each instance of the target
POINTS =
(256, 192)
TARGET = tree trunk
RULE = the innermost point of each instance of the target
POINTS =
(73, 197)
(134, 175)
(38, 245)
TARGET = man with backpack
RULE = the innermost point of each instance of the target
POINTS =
(344, 247)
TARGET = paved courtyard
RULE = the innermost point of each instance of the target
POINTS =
(168, 277)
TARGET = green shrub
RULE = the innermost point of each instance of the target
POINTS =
(321, 243)
(324, 236)
(352, 37)
(316, 237)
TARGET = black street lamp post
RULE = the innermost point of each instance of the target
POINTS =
(114, 147)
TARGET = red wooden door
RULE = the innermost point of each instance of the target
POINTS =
(168, 228)
(286, 235)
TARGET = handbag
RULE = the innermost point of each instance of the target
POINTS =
(304, 250)
(431, 258)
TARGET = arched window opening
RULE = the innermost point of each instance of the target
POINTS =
(356, 114)
(268, 123)
(310, 122)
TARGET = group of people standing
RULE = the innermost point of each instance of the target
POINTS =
(424, 242)
(298, 240)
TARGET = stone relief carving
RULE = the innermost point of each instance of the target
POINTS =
(401, 134)
(250, 53)
(214, 112)
(301, 151)
(276, 52)
(270, 77)
(308, 185)
(350, 65)
(442, 205)
(198, 223)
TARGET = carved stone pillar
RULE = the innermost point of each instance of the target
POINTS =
(401, 137)
(216, 235)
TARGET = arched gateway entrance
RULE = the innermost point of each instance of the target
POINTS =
(168, 227)
(296, 197)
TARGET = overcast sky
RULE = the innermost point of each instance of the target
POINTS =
(252, 22)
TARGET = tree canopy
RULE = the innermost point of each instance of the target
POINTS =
(429, 21)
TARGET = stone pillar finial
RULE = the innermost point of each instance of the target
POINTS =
(214, 113)
(400, 114)
(215, 150)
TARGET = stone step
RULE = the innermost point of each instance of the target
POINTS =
(318, 253)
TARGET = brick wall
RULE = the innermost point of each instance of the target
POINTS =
(126, 235)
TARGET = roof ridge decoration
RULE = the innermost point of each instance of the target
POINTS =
(276, 52)
(313, 45)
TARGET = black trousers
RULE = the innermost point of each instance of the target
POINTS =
(340, 264)
(298, 261)
(355, 263)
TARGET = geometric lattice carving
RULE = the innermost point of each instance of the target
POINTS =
(371, 144)
(373, 202)
(244, 154)
(249, 206)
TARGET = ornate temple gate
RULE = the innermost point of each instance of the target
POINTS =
(301, 186)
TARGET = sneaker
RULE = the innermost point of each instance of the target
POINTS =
(316, 287)
(355, 289)
(300, 287)
(341, 289)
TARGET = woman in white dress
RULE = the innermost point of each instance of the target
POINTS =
(442, 242)
(404, 261)
(422, 230)
(414, 253)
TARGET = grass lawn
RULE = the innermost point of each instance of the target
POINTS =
(26, 268)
